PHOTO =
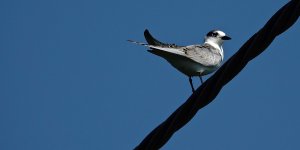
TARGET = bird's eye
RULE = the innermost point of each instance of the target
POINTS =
(212, 34)
(215, 34)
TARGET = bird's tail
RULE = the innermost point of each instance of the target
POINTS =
(139, 43)
(150, 40)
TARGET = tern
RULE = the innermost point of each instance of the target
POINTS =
(191, 60)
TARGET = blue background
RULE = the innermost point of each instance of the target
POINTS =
(70, 81)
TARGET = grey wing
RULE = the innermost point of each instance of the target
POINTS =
(203, 54)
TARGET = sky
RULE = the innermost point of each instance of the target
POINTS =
(70, 81)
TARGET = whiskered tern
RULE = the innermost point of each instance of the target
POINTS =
(191, 60)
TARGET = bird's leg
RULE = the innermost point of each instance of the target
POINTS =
(191, 83)
(201, 79)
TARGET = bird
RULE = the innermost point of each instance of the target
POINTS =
(191, 60)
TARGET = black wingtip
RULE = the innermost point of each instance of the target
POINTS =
(148, 36)
(146, 31)
(150, 39)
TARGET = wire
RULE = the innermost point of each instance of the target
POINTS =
(280, 22)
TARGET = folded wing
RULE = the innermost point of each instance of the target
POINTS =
(203, 54)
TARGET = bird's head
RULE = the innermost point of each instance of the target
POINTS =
(216, 37)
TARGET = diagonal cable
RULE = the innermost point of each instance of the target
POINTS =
(280, 22)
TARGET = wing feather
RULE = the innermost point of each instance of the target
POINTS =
(203, 54)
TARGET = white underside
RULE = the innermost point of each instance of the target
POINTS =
(191, 68)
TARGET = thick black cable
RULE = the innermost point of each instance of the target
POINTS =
(280, 22)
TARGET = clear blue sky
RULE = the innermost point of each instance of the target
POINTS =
(70, 81)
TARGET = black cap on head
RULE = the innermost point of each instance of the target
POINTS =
(213, 33)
